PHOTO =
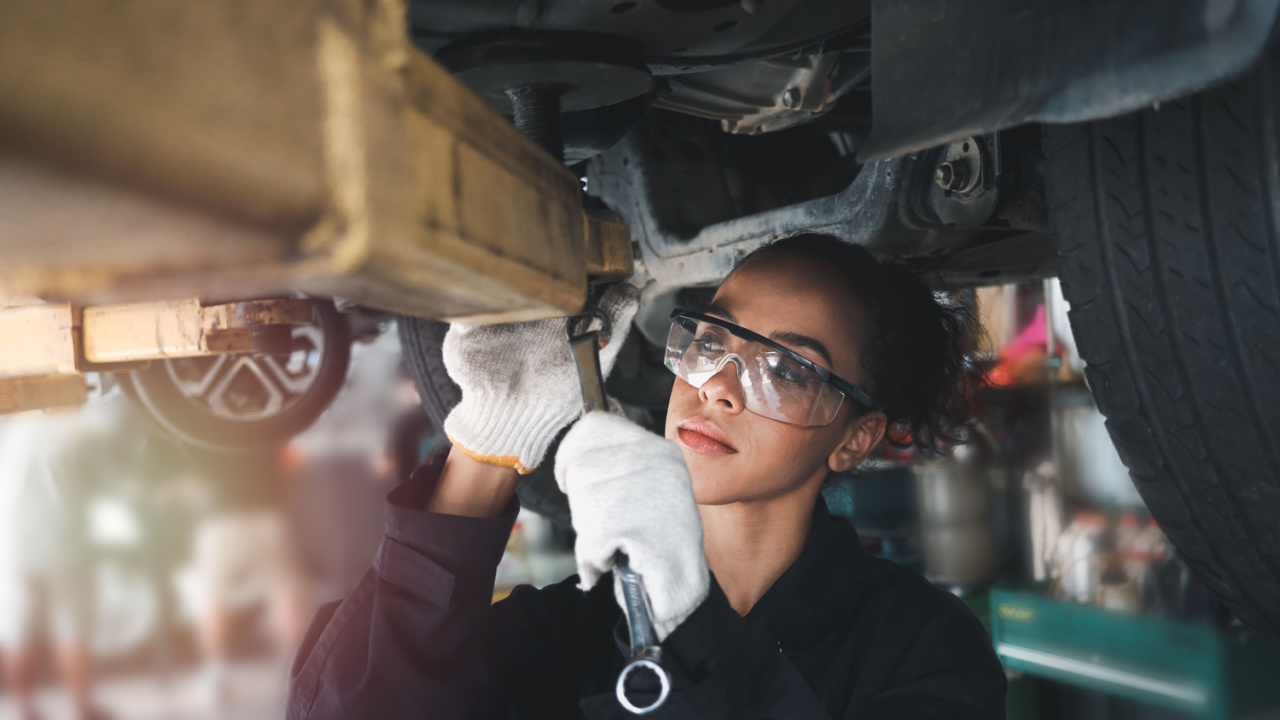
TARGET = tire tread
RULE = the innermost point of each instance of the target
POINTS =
(1166, 224)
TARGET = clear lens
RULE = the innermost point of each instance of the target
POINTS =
(826, 405)
(773, 384)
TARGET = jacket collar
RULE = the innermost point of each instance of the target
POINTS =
(815, 598)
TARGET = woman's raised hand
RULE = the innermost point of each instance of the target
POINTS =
(519, 383)
(629, 491)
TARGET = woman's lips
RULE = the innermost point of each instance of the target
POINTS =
(704, 438)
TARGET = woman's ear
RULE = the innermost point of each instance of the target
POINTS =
(861, 436)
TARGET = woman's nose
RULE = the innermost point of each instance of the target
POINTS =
(725, 388)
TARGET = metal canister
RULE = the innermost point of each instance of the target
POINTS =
(955, 522)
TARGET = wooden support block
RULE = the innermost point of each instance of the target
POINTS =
(183, 328)
(608, 250)
(152, 150)
(57, 339)
(123, 333)
(43, 392)
(37, 340)
(285, 311)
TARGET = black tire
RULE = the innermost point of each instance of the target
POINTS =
(1166, 223)
(420, 349)
(420, 346)
(176, 415)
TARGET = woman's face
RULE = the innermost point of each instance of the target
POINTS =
(733, 454)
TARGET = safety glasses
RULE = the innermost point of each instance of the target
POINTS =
(777, 382)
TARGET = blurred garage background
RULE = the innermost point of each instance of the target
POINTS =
(146, 577)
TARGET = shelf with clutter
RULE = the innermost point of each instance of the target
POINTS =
(1036, 525)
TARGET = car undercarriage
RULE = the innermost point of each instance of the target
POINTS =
(491, 160)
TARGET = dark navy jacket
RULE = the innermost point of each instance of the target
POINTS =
(840, 635)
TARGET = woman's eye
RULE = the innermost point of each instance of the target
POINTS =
(789, 372)
(708, 345)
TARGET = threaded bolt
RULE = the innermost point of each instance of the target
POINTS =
(537, 115)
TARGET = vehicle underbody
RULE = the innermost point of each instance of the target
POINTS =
(1129, 148)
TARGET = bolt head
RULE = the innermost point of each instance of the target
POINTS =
(791, 98)
(955, 176)
(945, 175)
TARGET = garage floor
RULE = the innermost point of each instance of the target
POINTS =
(256, 692)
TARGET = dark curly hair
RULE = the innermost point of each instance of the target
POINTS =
(915, 348)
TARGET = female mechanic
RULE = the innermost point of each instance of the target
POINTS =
(766, 606)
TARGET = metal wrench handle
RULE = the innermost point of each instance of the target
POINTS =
(645, 651)
(646, 654)
(639, 615)
(585, 346)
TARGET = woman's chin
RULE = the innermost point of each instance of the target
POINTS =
(715, 489)
(712, 499)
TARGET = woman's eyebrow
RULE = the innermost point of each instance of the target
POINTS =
(722, 313)
(798, 340)
(788, 338)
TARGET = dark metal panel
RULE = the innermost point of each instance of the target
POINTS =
(944, 69)
(675, 36)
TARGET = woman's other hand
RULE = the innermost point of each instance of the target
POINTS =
(629, 491)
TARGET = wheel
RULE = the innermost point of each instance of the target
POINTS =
(420, 343)
(1169, 253)
(239, 402)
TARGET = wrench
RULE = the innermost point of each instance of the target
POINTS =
(646, 654)
(585, 344)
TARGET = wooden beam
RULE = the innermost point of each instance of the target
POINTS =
(608, 250)
(41, 393)
(57, 339)
(183, 328)
(37, 340)
(152, 150)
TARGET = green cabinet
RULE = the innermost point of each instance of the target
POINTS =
(1200, 670)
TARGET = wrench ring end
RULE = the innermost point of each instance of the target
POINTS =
(663, 679)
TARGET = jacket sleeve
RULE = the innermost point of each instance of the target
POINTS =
(413, 634)
(722, 667)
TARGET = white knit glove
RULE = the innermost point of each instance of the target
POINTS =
(519, 382)
(629, 490)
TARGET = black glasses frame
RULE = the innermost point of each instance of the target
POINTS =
(839, 383)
